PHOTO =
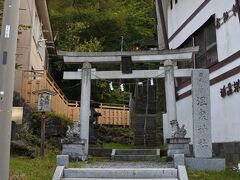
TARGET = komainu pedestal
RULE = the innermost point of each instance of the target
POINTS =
(75, 148)
(178, 144)
(73, 145)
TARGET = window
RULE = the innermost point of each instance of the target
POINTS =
(37, 28)
(38, 37)
(205, 38)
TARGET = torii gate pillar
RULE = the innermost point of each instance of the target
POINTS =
(170, 94)
(85, 104)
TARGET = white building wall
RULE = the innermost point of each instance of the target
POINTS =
(188, 6)
(38, 47)
(29, 53)
(184, 115)
(228, 34)
(177, 16)
(225, 111)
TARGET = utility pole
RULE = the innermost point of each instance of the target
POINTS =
(8, 45)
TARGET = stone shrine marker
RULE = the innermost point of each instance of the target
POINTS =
(202, 139)
(202, 135)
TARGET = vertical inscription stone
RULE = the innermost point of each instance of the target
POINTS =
(202, 140)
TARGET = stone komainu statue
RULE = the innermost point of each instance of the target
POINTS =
(177, 131)
(74, 131)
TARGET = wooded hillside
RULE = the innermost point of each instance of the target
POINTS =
(100, 25)
(90, 25)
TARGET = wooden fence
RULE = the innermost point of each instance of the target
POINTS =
(113, 115)
(36, 80)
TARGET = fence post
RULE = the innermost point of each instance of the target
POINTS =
(124, 117)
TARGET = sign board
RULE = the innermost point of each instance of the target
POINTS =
(17, 114)
(7, 31)
(44, 103)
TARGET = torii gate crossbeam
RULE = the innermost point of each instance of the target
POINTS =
(137, 57)
(136, 74)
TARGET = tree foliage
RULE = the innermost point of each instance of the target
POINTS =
(1, 15)
(102, 22)
(99, 25)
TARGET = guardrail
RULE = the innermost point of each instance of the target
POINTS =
(112, 114)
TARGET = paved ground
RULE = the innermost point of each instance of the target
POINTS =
(125, 164)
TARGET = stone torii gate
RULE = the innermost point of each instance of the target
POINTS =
(169, 72)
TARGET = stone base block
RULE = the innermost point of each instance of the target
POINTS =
(178, 160)
(209, 164)
(178, 146)
(75, 149)
(171, 152)
(178, 140)
(63, 160)
(182, 173)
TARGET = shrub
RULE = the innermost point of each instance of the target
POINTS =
(56, 127)
(65, 121)
(115, 134)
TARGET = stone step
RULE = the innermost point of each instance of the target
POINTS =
(135, 157)
(121, 173)
(117, 179)
(136, 152)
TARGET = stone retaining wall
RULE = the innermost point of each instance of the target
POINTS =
(229, 150)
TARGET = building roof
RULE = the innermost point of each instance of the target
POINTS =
(44, 16)
(47, 29)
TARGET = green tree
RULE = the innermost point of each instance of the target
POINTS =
(105, 20)
(97, 25)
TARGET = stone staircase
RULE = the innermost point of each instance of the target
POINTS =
(62, 172)
(119, 173)
(144, 116)
(135, 154)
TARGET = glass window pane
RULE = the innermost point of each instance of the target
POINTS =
(210, 34)
(212, 56)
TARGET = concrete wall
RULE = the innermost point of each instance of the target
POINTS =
(29, 54)
(225, 111)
